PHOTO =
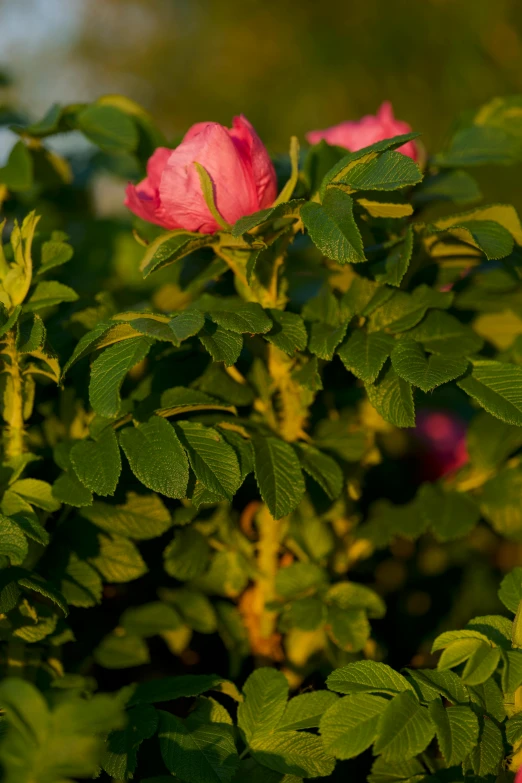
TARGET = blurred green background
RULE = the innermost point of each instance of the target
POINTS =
(289, 65)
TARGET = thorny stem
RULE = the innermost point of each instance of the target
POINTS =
(287, 414)
(14, 430)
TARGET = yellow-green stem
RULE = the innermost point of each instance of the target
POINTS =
(267, 561)
(13, 412)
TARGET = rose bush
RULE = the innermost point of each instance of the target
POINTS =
(261, 451)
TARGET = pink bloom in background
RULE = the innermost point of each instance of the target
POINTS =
(518, 776)
(241, 171)
(354, 135)
(442, 439)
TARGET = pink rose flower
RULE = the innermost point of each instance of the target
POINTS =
(354, 135)
(442, 440)
(241, 171)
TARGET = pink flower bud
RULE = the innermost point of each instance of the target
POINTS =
(442, 439)
(354, 135)
(241, 171)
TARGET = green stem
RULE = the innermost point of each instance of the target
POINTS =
(14, 431)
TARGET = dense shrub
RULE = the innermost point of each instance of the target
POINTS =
(213, 480)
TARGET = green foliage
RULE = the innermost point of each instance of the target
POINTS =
(220, 465)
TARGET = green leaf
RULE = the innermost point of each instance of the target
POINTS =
(430, 683)
(68, 489)
(497, 387)
(512, 671)
(288, 331)
(487, 755)
(388, 171)
(49, 293)
(411, 364)
(120, 756)
(278, 475)
(141, 517)
(150, 619)
(403, 311)
(157, 457)
(97, 463)
(490, 442)
(288, 209)
(349, 629)
(364, 354)
(450, 514)
(490, 237)
(351, 725)
(45, 745)
(118, 559)
(37, 584)
(449, 637)
(18, 174)
(442, 333)
(332, 227)
(11, 320)
(198, 612)
(197, 753)
(167, 689)
(322, 469)
(36, 492)
(367, 677)
(499, 502)
(55, 253)
(457, 186)
(121, 652)
(308, 376)
(481, 665)
(170, 247)
(109, 370)
(13, 543)
(392, 269)
(324, 339)
(366, 154)
(510, 592)
(293, 753)
(222, 344)
(386, 206)
(186, 557)
(457, 652)
(213, 461)
(265, 696)
(384, 771)
(149, 324)
(109, 128)
(305, 710)
(186, 324)
(478, 146)
(81, 584)
(457, 730)
(88, 343)
(392, 397)
(236, 315)
(31, 334)
(299, 579)
(405, 728)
